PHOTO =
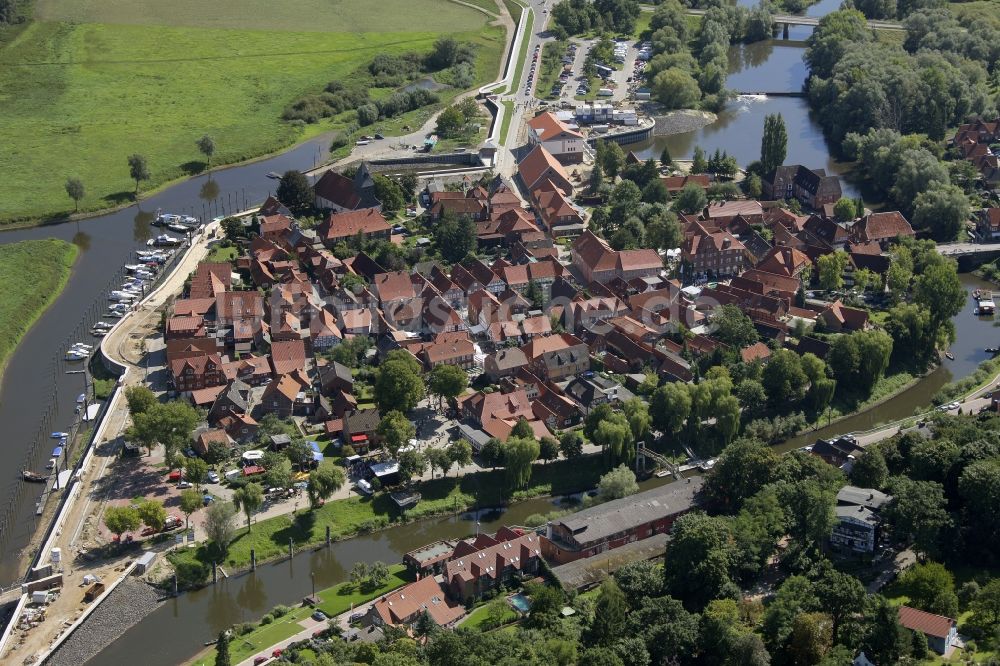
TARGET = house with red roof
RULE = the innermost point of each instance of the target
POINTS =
(345, 225)
(408, 604)
(474, 571)
(882, 228)
(197, 372)
(716, 253)
(941, 631)
(839, 317)
(538, 166)
(565, 143)
(597, 262)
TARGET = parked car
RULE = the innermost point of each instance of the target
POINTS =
(319, 616)
(183, 484)
(259, 660)
(213, 477)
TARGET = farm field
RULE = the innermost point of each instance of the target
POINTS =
(80, 97)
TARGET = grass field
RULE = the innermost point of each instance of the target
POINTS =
(80, 97)
(335, 600)
(40, 269)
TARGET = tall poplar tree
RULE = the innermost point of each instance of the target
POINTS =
(774, 143)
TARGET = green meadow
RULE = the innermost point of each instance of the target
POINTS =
(90, 82)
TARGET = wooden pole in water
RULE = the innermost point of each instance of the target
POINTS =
(327, 536)
(253, 560)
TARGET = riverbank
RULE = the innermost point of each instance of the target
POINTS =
(269, 539)
(283, 622)
(39, 270)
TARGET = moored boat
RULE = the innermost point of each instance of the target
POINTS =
(33, 477)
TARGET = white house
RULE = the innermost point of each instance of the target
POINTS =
(562, 141)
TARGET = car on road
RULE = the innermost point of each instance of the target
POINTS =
(276, 653)
(379, 136)
(260, 660)
(183, 484)
(213, 477)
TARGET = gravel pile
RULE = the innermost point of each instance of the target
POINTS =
(678, 122)
(129, 603)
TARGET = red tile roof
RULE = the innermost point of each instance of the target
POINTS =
(536, 164)
(938, 626)
(409, 602)
(547, 126)
(338, 226)
(288, 356)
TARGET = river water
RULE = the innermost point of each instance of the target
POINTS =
(175, 631)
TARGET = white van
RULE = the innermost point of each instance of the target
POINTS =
(363, 487)
(232, 474)
(605, 92)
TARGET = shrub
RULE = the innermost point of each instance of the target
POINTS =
(280, 611)
(267, 619)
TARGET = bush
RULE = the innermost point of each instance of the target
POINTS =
(191, 575)
(267, 619)
(280, 611)
(244, 628)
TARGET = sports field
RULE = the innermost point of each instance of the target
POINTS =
(80, 96)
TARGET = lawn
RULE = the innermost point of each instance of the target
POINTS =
(222, 254)
(40, 269)
(550, 69)
(481, 615)
(335, 600)
(80, 97)
(508, 116)
(348, 517)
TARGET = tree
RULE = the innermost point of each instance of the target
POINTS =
(618, 483)
(741, 471)
(195, 470)
(450, 122)
(748, 650)
(596, 179)
(152, 514)
(773, 143)
(752, 397)
(986, 607)
(665, 160)
(614, 435)
(222, 649)
(395, 431)
(609, 615)
(191, 501)
(885, 642)
(460, 453)
(919, 509)
(698, 162)
(359, 573)
(753, 186)
(610, 156)
(411, 463)
(864, 278)
(931, 587)
(389, 193)
(219, 524)
(844, 210)
(655, 192)
(398, 385)
(323, 483)
(518, 454)
(691, 199)
(571, 444)
(447, 381)
(295, 191)
(696, 568)
(733, 327)
(942, 210)
(378, 574)
(140, 399)
(870, 470)
(121, 519)
(669, 407)
(522, 429)
(75, 190)
(675, 88)
(249, 498)
(727, 418)
(783, 378)
(548, 449)
(455, 236)
(169, 424)
(492, 452)
(831, 269)
(138, 169)
(299, 453)
(206, 146)
(438, 459)
(812, 636)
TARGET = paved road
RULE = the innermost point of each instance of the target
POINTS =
(958, 249)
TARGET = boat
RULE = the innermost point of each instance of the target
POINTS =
(975, 294)
(948, 355)
(179, 228)
(274, 174)
(59, 435)
(33, 477)
(102, 324)
(98, 332)
(706, 465)
(662, 473)
(83, 345)
(992, 350)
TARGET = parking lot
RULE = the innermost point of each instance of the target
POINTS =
(574, 85)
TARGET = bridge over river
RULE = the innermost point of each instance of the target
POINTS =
(796, 19)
